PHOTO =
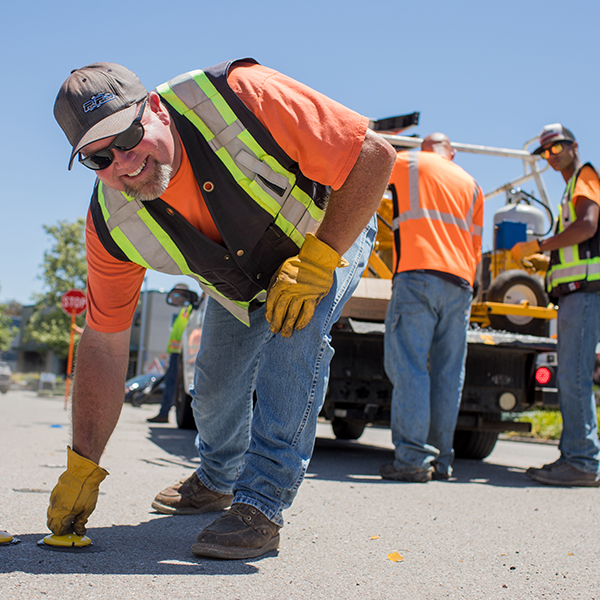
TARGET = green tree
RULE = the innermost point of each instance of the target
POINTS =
(64, 268)
(7, 329)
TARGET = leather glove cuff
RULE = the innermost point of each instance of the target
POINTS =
(84, 469)
(318, 252)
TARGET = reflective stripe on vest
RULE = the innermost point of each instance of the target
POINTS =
(570, 267)
(194, 96)
(417, 212)
(145, 243)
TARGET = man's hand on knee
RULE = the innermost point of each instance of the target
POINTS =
(300, 284)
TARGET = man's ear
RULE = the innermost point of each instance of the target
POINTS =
(158, 108)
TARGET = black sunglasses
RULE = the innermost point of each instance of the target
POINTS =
(127, 140)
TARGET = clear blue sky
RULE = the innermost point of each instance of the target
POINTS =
(488, 73)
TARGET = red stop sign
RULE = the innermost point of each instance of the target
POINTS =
(73, 301)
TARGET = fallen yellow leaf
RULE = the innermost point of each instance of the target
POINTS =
(395, 557)
(374, 537)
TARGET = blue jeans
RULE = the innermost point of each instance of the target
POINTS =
(425, 349)
(578, 329)
(170, 385)
(262, 453)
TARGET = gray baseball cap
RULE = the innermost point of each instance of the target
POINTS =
(96, 102)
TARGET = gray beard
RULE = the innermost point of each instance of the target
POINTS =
(154, 187)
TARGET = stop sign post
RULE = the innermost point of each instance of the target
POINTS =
(74, 304)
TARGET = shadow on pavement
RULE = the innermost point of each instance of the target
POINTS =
(179, 442)
(339, 460)
(157, 547)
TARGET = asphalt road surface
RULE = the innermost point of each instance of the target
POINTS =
(489, 533)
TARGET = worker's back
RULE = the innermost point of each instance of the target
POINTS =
(439, 215)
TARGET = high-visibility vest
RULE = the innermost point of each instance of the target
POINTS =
(260, 201)
(574, 267)
(174, 344)
(438, 215)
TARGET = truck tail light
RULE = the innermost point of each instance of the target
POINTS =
(543, 375)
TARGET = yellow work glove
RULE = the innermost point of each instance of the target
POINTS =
(300, 284)
(522, 249)
(74, 497)
(536, 262)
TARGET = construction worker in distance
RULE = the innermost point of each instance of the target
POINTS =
(174, 354)
(437, 225)
(264, 192)
(573, 282)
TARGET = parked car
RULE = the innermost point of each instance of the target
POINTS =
(144, 389)
(5, 377)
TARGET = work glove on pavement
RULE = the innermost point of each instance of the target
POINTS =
(522, 249)
(536, 262)
(74, 497)
(300, 284)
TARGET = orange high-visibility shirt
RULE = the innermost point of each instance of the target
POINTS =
(438, 215)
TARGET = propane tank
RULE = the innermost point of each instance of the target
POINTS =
(518, 209)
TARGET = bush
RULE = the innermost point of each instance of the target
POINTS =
(545, 424)
(26, 381)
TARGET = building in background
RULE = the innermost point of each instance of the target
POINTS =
(151, 326)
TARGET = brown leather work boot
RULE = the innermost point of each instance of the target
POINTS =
(242, 532)
(190, 497)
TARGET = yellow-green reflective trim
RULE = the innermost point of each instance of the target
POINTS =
(301, 196)
(574, 249)
(102, 202)
(298, 194)
(171, 97)
(211, 91)
(120, 238)
(250, 186)
(165, 241)
(289, 230)
(132, 254)
(246, 138)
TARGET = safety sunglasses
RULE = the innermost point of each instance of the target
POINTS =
(554, 149)
(127, 140)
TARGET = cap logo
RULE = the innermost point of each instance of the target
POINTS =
(97, 101)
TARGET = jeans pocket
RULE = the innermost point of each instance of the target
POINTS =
(406, 310)
(410, 308)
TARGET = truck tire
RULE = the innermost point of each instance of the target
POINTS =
(475, 445)
(183, 403)
(347, 429)
(513, 287)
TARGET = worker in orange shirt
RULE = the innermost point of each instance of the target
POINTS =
(264, 192)
(573, 281)
(438, 220)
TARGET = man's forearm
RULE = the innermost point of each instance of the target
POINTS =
(351, 207)
(98, 390)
